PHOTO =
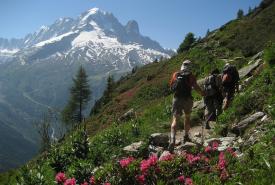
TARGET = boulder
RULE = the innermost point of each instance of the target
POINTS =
(265, 118)
(247, 70)
(155, 150)
(257, 56)
(225, 142)
(248, 80)
(241, 126)
(159, 139)
(186, 146)
(128, 115)
(134, 147)
(198, 105)
(164, 155)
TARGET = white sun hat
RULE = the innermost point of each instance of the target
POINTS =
(185, 65)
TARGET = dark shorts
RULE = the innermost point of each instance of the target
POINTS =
(182, 104)
(213, 106)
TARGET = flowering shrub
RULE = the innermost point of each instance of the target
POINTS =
(60, 177)
(70, 182)
(125, 162)
(169, 169)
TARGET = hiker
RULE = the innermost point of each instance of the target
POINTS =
(230, 83)
(181, 84)
(213, 96)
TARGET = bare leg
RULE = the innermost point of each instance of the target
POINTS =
(187, 124)
(173, 133)
(226, 103)
(174, 128)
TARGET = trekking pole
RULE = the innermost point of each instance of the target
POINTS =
(204, 123)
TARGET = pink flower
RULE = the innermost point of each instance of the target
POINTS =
(224, 175)
(92, 180)
(181, 179)
(222, 162)
(157, 170)
(85, 183)
(188, 181)
(60, 177)
(141, 179)
(192, 159)
(125, 162)
(146, 164)
(215, 145)
(231, 151)
(153, 160)
(167, 157)
(107, 183)
(207, 149)
(70, 182)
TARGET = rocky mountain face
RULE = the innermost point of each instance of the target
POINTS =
(36, 71)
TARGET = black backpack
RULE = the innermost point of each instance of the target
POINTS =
(180, 86)
(233, 75)
(210, 87)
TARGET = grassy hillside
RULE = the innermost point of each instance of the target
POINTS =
(146, 90)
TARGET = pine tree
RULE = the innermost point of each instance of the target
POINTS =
(107, 95)
(80, 94)
(240, 14)
(207, 32)
(250, 10)
(109, 89)
(187, 43)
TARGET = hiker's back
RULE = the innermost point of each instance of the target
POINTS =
(230, 76)
(212, 85)
(181, 84)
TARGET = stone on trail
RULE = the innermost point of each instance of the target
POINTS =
(164, 154)
(241, 126)
(134, 147)
(198, 105)
(155, 150)
(159, 139)
(245, 71)
(128, 115)
(186, 146)
(225, 142)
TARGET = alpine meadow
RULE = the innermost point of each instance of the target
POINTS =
(92, 101)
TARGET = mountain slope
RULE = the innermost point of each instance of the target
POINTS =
(36, 71)
(146, 90)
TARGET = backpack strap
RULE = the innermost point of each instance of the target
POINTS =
(173, 78)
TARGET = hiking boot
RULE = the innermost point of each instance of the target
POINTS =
(171, 147)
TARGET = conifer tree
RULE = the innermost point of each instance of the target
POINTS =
(240, 14)
(207, 32)
(109, 88)
(187, 43)
(250, 10)
(80, 94)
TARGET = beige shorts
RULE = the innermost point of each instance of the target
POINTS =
(182, 104)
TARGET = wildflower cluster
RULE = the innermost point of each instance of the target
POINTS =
(170, 168)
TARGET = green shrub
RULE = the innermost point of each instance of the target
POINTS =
(269, 54)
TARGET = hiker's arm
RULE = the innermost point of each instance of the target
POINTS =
(197, 88)
(237, 87)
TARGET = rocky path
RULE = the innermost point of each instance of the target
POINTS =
(234, 139)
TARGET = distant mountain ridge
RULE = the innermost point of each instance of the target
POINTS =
(36, 71)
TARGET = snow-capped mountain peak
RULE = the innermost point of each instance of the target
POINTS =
(94, 36)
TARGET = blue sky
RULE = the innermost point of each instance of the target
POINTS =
(166, 21)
